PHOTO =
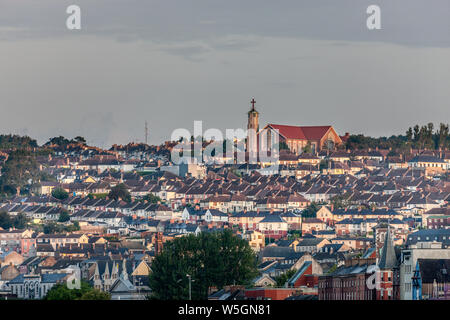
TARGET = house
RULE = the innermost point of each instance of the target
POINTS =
(273, 226)
(35, 286)
(212, 215)
(12, 238)
(431, 280)
(431, 164)
(408, 265)
(312, 224)
(256, 239)
(56, 240)
(10, 258)
(325, 215)
(348, 282)
(264, 280)
(311, 245)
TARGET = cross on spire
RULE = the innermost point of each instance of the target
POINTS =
(253, 103)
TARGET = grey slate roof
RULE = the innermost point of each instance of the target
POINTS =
(388, 259)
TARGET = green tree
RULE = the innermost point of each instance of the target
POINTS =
(52, 227)
(5, 220)
(80, 140)
(211, 259)
(311, 210)
(86, 292)
(60, 193)
(20, 170)
(60, 141)
(95, 294)
(17, 142)
(20, 221)
(64, 216)
(120, 191)
(151, 198)
(283, 146)
(73, 227)
(284, 277)
(307, 148)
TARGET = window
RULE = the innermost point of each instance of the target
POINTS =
(408, 287)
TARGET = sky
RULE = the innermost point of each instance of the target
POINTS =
(172, 62)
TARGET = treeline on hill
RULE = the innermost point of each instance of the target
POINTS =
(62, 141)
(10, 141)
(417, 137)
(20, 172)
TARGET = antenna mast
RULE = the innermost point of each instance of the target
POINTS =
(146, 133)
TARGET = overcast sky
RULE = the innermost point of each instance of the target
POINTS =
(171, 62)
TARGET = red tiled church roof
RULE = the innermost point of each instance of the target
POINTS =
(301, 132)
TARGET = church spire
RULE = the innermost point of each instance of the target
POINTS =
(388, 259)
(124, 269)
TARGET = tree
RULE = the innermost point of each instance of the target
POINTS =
(307, 148)
(95, 294)
(86, 292)
(311, 210)
(283, 146)
(59, 141)
(339, 201)
(20, 170)
(211, 259)
(19, 221)
(80, 140)
(151, 198)
(284, 277)
(51, 227)
(60, 194)
(64, 216)
(120, 191)
(5, 220)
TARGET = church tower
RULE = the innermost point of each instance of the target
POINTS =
(252, 124)
(253, 117)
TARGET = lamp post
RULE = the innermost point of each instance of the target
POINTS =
(190, 294)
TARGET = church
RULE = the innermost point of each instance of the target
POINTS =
(295, 137)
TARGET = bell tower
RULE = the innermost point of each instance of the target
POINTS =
(252, 129)
(253, 117)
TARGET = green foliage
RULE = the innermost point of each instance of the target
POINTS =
(120, 191)
(323, 164)
(284, 277)
(60, 193)
(20, 221)
(17, 142)
(212, 259)
(311, 210)
(339, 202)
(307, 148)
(19, 171)
(64, 216)
(283, 145)
(417, 137)
(98, 195)
(52, 227)
(152, 198)
(86, 292)
(294, 234)
(62, 141)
